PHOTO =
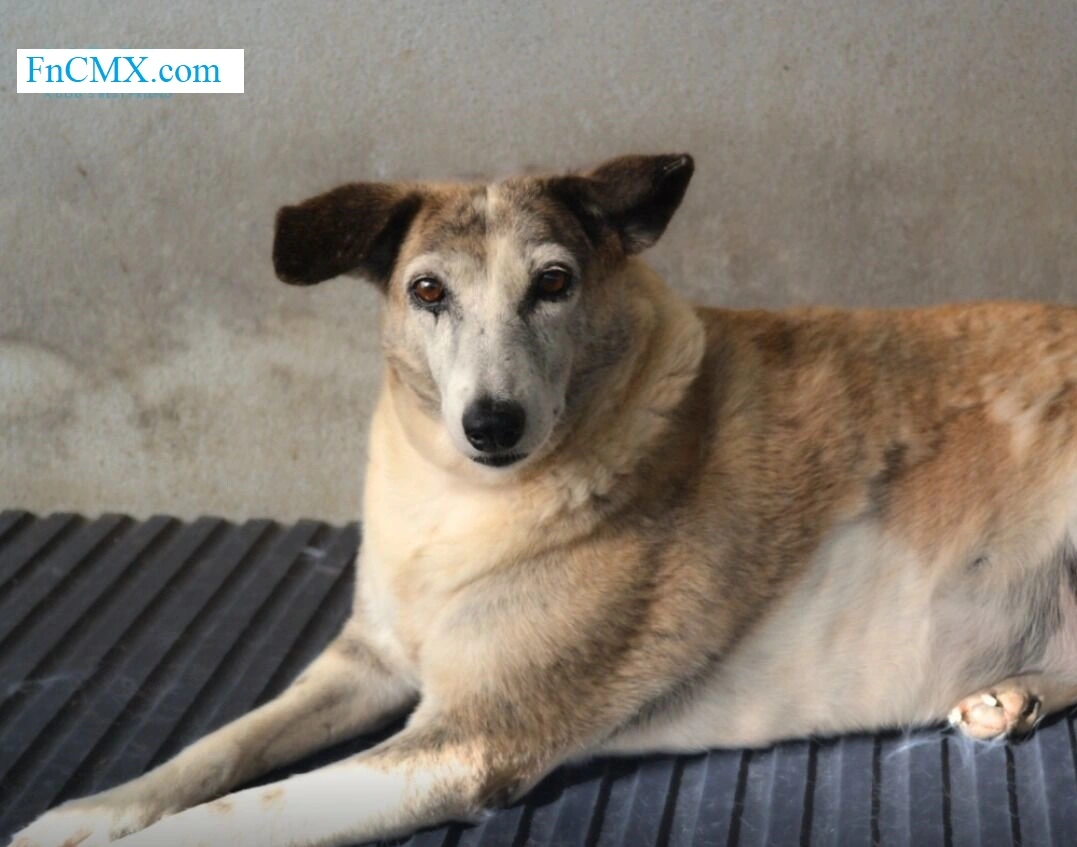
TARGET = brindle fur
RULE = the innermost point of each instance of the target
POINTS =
(739, 527)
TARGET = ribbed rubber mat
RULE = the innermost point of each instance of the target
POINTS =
(123, 641)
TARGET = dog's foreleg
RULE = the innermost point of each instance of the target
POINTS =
(347, 690)
(429, 773)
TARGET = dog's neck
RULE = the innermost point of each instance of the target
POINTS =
(615, 428)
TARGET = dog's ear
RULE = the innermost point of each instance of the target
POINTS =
(357, 227)
(635, 196)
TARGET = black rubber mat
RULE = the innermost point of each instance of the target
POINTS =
(123, 641)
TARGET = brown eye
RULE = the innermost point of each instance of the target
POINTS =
(428, 290)
(553, 283)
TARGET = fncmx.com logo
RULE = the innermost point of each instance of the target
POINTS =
(129, 71)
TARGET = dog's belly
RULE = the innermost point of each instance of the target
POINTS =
(874, 637)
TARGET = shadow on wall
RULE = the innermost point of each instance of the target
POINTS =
(224, 426)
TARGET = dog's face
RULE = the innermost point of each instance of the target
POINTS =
(501, 298)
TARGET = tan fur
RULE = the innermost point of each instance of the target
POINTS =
(749, 526)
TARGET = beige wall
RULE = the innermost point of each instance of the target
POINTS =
(853, 151)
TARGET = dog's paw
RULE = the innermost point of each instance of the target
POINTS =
(80, 824)
(996, 713)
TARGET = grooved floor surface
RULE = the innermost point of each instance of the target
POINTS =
(123, 641)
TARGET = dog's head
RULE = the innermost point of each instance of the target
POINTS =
(501, 299)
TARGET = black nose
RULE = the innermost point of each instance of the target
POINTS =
(492, 425)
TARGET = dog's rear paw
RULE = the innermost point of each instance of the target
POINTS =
(996, 713)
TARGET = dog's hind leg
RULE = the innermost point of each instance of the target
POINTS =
(1013, 707)
(347, 690)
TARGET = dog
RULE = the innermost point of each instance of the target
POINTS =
(598, 520)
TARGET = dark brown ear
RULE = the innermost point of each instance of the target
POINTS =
(635, 196)
(357, 227)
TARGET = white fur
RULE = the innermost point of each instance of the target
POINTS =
(341, 804)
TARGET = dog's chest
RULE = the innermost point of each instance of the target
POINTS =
(423, 546)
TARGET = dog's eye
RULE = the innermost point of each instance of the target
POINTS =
(553, 283)
(428, 291)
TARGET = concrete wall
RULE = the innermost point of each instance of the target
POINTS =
(851, 151)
